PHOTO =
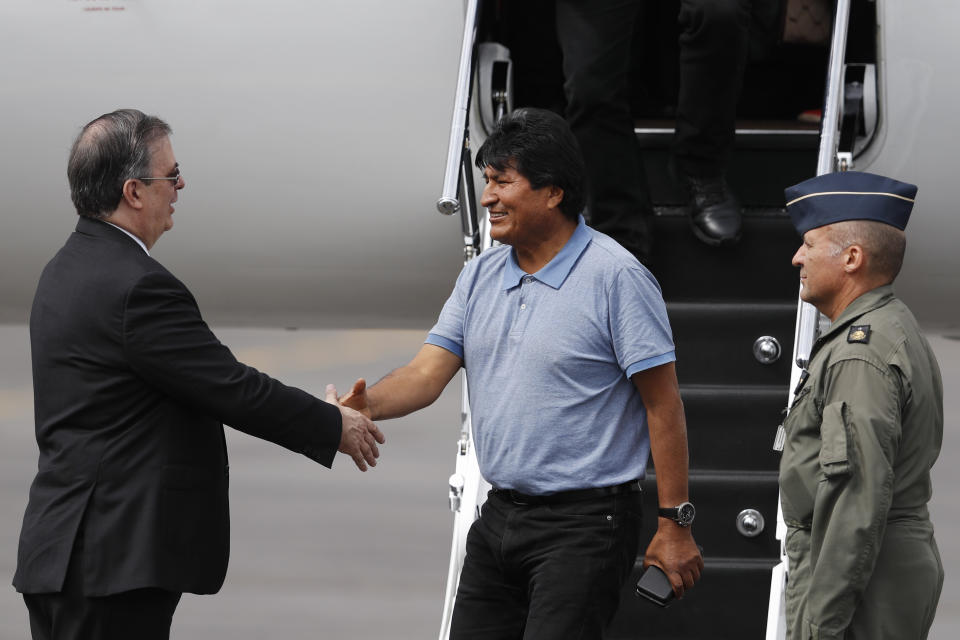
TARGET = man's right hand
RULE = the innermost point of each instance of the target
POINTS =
(356, 398)
(359, 436)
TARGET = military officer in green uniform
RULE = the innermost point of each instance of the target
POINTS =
(865, 425)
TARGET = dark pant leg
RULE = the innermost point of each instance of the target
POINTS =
(545, 572)
(144, 614)
(713, 53)
(595, 37)
(578, 560)
(491, 602)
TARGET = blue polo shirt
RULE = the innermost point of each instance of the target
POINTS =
(549, 357)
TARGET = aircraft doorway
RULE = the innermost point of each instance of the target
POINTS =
(732, 308)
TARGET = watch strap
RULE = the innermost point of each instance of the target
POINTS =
(683, 514)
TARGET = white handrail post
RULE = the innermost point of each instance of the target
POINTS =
(448, 204)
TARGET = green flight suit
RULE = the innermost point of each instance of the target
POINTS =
(861, 437)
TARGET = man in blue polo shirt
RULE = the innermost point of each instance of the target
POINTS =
(570, 363)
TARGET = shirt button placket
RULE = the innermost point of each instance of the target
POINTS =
(525, 280)
(523, 317)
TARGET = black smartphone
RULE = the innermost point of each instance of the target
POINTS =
(655, 586)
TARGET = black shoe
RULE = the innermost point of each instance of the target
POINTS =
(714, 211)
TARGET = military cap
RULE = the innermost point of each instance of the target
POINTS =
(849, 195)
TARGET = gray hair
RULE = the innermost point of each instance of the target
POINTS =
(883, 244)
(109, 151)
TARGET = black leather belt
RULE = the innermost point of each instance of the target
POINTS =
(568, 496)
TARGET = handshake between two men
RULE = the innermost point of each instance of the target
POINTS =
(359, 436)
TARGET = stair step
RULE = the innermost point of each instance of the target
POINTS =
(761, 165)
(749, 212)
(728, 602)
(756, 268)
(733, 426)
(741, 574)
(719, 498)
(714, 341)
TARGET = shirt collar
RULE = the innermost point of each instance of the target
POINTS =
(555, 272)
(873, 299)
(138, 240)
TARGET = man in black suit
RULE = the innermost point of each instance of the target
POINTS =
(129, 506)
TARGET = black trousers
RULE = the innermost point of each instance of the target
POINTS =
(713, 54)
(545, 572)
(143, 614)
(595, 38)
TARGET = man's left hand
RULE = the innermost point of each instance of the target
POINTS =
(673, 550)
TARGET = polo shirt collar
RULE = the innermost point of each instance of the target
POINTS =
(555, 272)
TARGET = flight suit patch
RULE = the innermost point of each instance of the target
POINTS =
(859, 333)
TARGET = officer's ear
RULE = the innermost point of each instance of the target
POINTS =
(132, 193)
(854, 259)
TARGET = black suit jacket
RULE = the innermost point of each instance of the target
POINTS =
(130, 392)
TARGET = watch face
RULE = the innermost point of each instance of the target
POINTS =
(685, 514)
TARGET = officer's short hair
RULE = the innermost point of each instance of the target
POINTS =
(884, 245)
(109, 151)
(539, 145)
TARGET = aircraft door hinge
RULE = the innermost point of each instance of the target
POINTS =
(844, 161)
(494, 83)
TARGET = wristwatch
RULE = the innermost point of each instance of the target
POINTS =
(682, 514)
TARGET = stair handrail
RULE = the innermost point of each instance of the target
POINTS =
(467, 485)
(449, 203)
(808, 318)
